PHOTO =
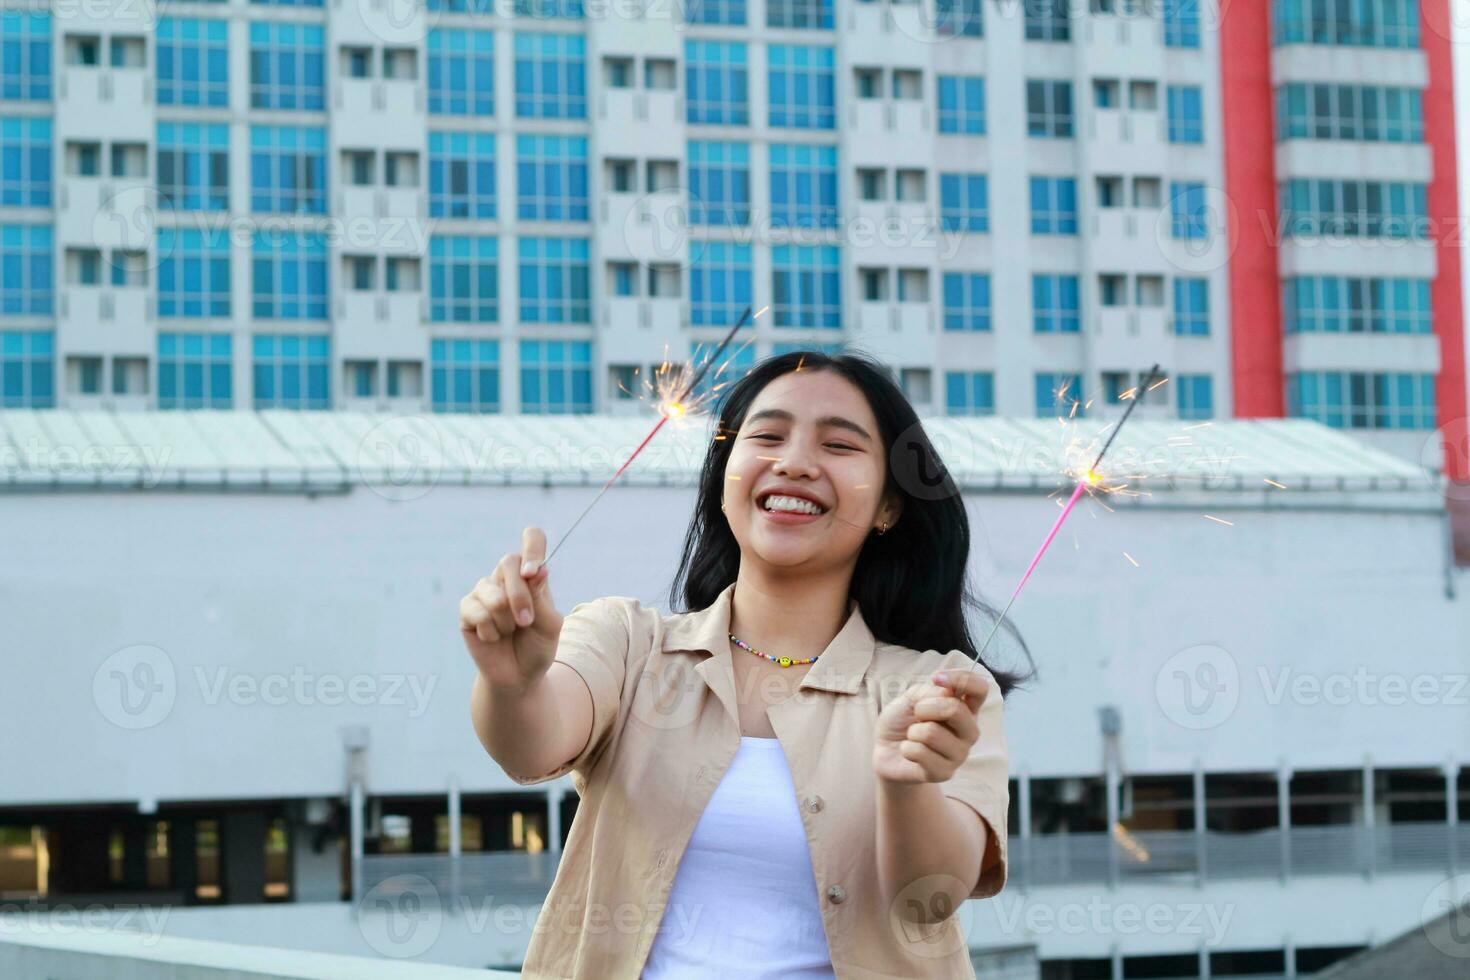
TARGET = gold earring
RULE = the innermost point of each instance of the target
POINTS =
(722, 509)
(884, 528)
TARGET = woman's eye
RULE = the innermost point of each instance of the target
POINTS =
(766, 435)
(839, 445)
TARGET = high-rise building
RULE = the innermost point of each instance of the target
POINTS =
(524, 207)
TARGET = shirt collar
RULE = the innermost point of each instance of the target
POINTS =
(840, 667)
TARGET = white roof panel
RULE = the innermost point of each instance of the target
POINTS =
(306, 451)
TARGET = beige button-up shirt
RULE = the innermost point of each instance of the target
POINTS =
(665, 728)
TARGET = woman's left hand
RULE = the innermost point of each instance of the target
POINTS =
(925, 735)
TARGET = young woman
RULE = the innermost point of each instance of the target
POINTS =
(800, 776)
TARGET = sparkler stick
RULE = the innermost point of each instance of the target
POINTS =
(1089, 478)
(669, 408)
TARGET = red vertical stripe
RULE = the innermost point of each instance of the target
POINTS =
(1444, 211)
(1250, 186)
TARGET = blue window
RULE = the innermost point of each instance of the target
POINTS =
(1055, 304)
(25, 162)
(1053, 206)
(462, 73)
(726, 13)
(1059, 395)
(1049, 108)
(550, 9)
(1336, 304)
(1194, 396)
(290, 276)
(1181, 23)
(193, 272)
(966, 301)
(1358, 208)
(464, 283)
(1186, 115)
(1360, 23)
(969, 392)
(281, 3)
(26, 277)
(962, 104)
(465, 375)
(806, 286)
(286, 66)
(194, 370)
(803, 14)
(831, 350)
(193, 166)
(803, 186)
(556, 377)
(291, 371)
(719, 283)
(735, 363)
(1362, 399)
(554, 280)
(718, 83)
(25, 55)
(1188, 210)
(1191, 307)
(802, 87)
(288, 169)
(551, 76)
(27, 369)
(1048, 20)
(193, 62)
(958, 18)
(485, 7)
(461, 175)
(719, 183)
(1328, 111)
(551, 178)
(964, 202)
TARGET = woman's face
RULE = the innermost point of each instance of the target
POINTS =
(814, 434)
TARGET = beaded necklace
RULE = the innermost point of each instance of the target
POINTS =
(783, 661)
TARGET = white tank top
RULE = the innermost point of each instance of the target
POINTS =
(744, 900)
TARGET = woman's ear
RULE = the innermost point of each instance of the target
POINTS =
(894, 503)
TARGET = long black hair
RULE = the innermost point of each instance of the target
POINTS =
(910, 583)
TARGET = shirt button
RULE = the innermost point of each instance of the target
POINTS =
(836, 894)
(814, 803)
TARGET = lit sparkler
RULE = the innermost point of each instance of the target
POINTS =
(674, 393)
(1088, 479)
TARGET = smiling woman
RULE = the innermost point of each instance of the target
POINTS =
(799, 776)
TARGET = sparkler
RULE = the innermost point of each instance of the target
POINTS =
(674, 402)
(1088, 478)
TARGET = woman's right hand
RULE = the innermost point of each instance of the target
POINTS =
(509, 620)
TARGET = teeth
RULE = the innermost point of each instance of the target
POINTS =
(792, 504)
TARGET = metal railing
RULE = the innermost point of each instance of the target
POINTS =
(515, 877)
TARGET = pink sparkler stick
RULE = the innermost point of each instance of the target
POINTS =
(1067, 509)
(663, 417)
